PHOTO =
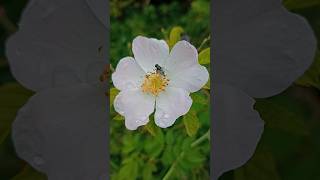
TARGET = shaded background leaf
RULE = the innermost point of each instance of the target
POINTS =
(300, 4)
(175, 35)
(311, 77)
(204, 56)
(262, 166)
(28, 173)
(191, 123)
(12, 97)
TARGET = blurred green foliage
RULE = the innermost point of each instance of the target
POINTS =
(183, 150)
(156, 20)
(288, 150)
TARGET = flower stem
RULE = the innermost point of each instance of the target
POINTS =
(203, 42)
(204, 137)
(173, 167)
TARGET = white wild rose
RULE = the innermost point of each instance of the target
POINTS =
(157, 80)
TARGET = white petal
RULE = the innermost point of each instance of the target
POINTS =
(135, 106)
(132, 123)
(191, 79)
(118, 105)
(149, 52)
(171, 104)
(182, 56)
(128, 74)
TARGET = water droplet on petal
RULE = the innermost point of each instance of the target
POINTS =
(141, 119)
(138, 121)
(166, 116)
(164, 122)
(163, 118)
(129, 85)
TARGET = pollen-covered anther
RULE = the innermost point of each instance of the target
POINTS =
(154, 83)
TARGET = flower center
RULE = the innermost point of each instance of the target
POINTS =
(154, 83)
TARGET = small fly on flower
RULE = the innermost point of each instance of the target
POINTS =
(159, 69)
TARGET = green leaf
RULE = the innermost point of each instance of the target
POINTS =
(195, 156)
(262, 166)
(191, 123)
(151, 128)
(170, 138)
(204, 56)
(113, 93)
(148, 169)
(300, 4)
(130, 143)
(283, 113)
(12, 97)
(191, 158)
(154, 144)
(168, 157)
(28, 173)
(207, 85)
(129, 169)
(118, 117)
(175, 35)
(311, 77)
(198, 98)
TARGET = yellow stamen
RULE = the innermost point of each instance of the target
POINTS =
(154, 83)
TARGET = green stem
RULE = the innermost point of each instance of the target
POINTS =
(173, 167)
(204, 137)
(203, 43)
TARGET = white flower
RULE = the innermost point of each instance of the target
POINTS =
(157, 80)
